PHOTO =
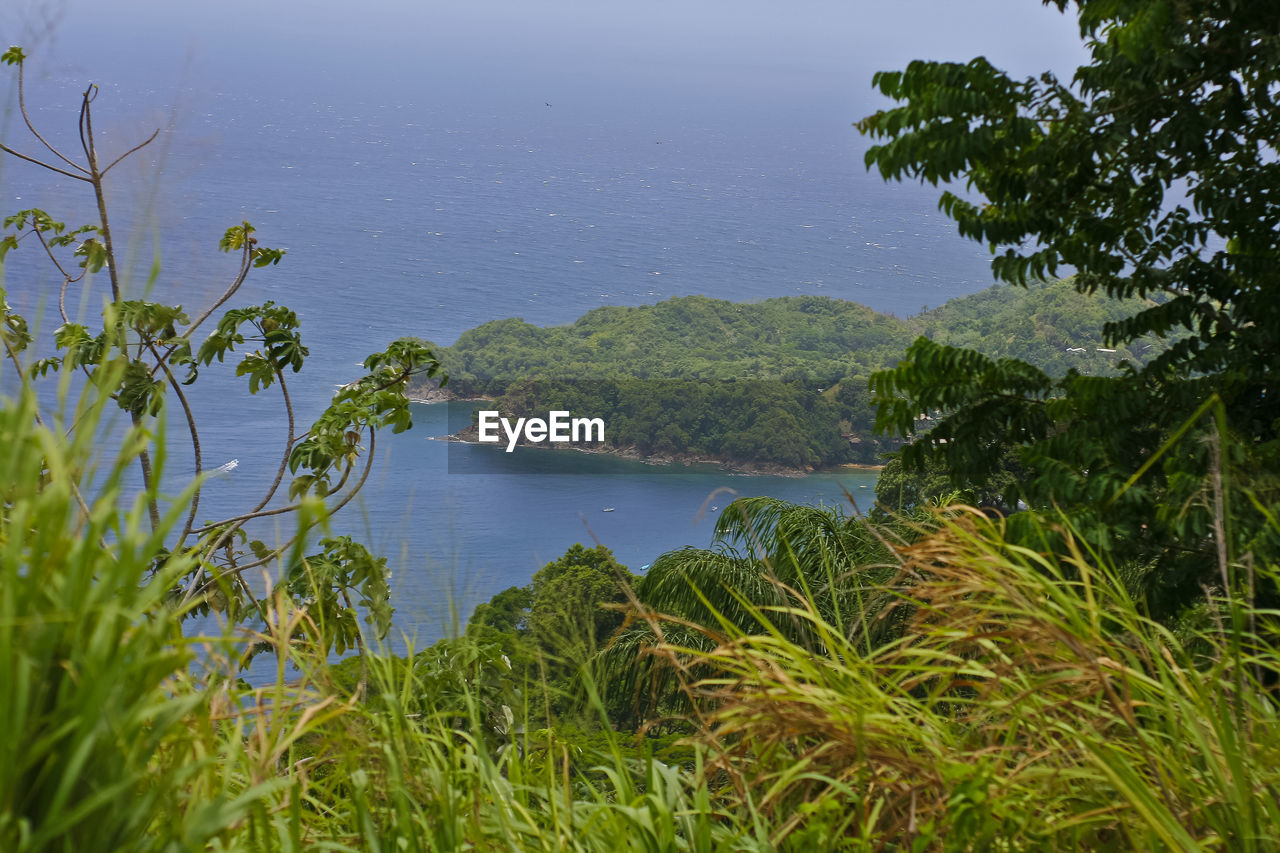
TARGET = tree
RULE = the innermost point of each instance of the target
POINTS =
(145, 355)
(769, 557)
(570, 614)
(1154, 174)
(557, 623)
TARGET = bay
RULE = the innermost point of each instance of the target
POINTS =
(424, 193)
(458, 533)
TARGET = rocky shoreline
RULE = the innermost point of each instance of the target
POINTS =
(470, 435)
(729, 466)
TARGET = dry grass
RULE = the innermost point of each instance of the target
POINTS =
(1028, 703)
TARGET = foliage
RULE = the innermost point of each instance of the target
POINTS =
(1151, 175)
(768, 556)
(111, 745)
(144, 356)
(942, 682)
(811, 340)
(1028, 704)
(128, 736)
(553, 626)
(1005, 698)
(745, 422)
(1051, 325)
(781, 382)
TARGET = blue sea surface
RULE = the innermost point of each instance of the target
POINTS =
(410, 212)
(460, 537)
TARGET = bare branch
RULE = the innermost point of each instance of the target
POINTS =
(86, 139)
(62, 299)
(6, 149)
(22, 106)
(238, 570)
(137, 147)
(279, 478)
(85, 136)
(195, 587)
(246, 263)
(195, 440)
(48, 250)
(288, 446)
(267, 513)
(148, 477)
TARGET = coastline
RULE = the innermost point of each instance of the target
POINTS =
(436, 395)
(432, 396)
(732, 467)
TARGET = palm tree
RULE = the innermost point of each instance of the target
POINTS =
(767, 556)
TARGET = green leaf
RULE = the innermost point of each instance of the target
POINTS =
(266, 257)
(138, 392)
(94, 254)
(13, 329)
(235, 237)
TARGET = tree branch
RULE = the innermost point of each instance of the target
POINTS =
(22, 107)
(137, 147)
(246, 263)
(195, 442)
(6, 149)
(193, 589)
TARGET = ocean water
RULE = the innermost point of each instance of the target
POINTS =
(408, 214)
(460, 537)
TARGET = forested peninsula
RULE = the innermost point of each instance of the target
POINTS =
(779, 385)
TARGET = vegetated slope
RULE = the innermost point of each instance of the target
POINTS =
(778, 382)
(1048, 324)
(808, 339)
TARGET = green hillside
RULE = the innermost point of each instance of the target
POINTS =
(776, 383)
(1050, 325)
(692, 337)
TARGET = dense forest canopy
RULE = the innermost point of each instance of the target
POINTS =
(1154, 174)
(781, 382)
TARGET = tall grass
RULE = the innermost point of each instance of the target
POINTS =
(121, 733)
(1021, 701)
(107, 744)
(1029, 703)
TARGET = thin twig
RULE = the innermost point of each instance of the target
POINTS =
(48, 250)
(267, 513)
(62, 299)
(245, 266)
(330, 511)
(99, 192)
(288, 446)
(284, 464)
(143, 144)
(84, 110)
(195, 442)
(22, 106)
(6, 149)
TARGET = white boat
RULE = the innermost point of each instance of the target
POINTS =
(607, 509)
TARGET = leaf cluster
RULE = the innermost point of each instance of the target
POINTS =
(783, 381)
(146, 356)
(1152, 175)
